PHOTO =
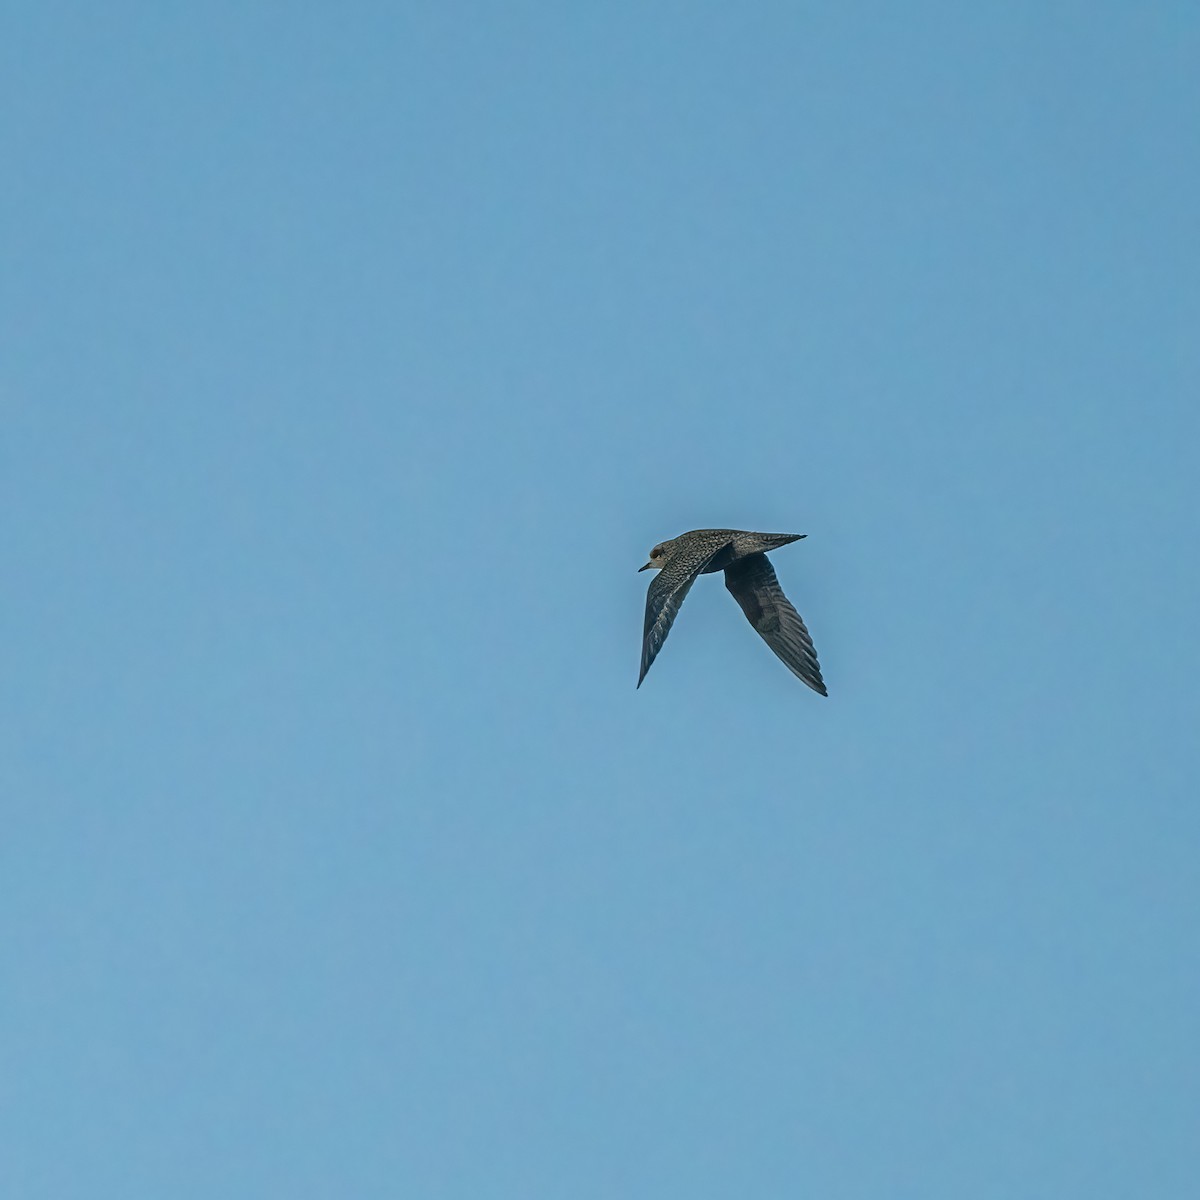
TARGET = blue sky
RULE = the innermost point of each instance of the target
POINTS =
(353, 359)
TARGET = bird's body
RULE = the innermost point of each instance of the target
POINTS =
(742, 555)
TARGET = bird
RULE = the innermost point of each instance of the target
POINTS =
(742, 555)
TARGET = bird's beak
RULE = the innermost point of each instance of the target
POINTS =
(647, 567)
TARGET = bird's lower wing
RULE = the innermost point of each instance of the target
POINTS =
(664, 597)
(754, 586)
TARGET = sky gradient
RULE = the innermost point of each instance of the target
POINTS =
(354, 357)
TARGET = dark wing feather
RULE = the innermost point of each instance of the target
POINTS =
(754, 586)
(663, 599)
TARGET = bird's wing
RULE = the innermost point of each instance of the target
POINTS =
(754, 586)
(664, 597)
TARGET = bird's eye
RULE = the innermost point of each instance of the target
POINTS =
(656, 552)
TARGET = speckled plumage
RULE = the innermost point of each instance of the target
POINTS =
(751, 579)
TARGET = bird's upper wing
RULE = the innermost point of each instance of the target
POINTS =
(664, 596)
(754, 586)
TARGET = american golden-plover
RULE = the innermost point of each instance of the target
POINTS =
(751, 579)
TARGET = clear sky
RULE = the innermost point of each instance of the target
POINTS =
(354, 356)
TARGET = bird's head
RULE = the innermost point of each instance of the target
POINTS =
(658, 556)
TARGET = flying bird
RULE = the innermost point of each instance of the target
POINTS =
(751, 579)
